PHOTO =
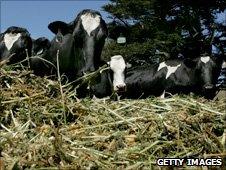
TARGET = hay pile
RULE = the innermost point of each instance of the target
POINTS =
(40, 127)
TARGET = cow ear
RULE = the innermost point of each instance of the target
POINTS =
(57, 26)
(190, 63)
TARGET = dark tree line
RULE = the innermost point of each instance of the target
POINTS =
(165, 28)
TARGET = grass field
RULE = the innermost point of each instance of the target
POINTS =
(45, 126)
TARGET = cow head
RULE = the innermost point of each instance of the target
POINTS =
(17, 40)
(207, 70)
(118, 66)
(38, 61)
(40, 46)
(207, 67)
(89, 32)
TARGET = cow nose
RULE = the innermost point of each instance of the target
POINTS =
(120, 88)
(208, 87)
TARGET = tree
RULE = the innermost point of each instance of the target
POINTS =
(170, 27)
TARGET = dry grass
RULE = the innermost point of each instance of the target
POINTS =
(101, 133)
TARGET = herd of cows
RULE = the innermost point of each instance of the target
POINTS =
(76, 50)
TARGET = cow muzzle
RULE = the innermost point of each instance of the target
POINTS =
(208, 86)
(121, 88)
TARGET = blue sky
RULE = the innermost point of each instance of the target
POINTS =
(36, 15)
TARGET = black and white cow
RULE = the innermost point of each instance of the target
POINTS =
(79, 43)
(111, 80)
(14, 43)
(174, 76)
(38, 61)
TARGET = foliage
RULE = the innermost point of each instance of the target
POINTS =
(187, 26)
(150, 51)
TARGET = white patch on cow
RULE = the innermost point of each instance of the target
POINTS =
(162, 65)
(205, 59)
(163, 95)
(118, 65)
(223, 64)
(171, 70)
(10, 39)
(90, 22)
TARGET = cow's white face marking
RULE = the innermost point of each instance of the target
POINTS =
(223, 64)
(205, 59)
(10, 39)
(118, 65)
(170, 69)
(90, 22)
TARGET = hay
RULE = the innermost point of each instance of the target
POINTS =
(101, 133)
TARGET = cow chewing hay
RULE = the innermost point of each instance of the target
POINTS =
(101, 133)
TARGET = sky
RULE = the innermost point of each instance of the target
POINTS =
(36, 15)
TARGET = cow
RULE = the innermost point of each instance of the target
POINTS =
(111, 80)
(174, 76)
(38, 61)
(15, 44)
(77, 45)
